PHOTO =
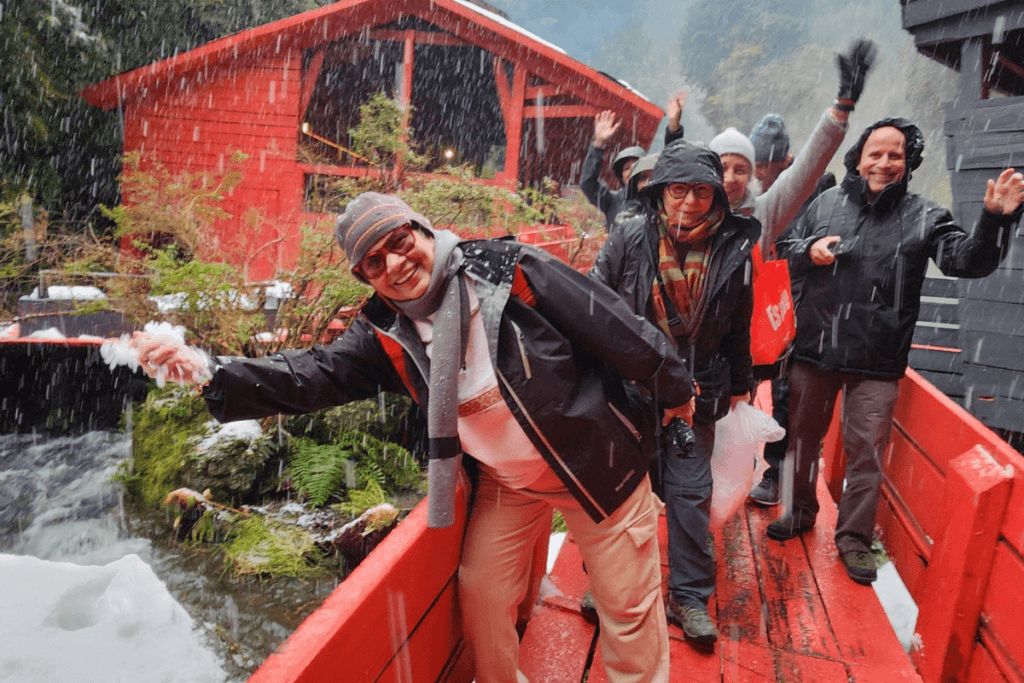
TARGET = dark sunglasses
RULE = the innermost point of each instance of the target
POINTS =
(400, 242)
(680, 190)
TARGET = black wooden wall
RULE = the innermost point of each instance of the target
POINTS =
(981, 141)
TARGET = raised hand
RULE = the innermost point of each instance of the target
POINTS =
(674, 108)
(853, 70)
(606, 125)
(1005, 193)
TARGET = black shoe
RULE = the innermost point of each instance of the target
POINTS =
(790, 525)
(766, 493)
(695, 622)
(860, 566)
(587, 607)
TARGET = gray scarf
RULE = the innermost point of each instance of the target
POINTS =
(448, 297)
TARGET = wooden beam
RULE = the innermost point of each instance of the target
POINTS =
(1009, 65)
(514, 125)
(421, 37)
(309, 80)
(562, 111)
(972, 71)
(504, 93)
(544, 91)
(405, 96)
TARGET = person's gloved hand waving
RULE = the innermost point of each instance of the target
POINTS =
(853, 70)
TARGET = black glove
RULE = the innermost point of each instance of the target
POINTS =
(853, 68)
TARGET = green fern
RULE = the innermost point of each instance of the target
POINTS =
(318, 471)
(361, 500)
(271, 548)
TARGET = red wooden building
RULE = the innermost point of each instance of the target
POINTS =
(287, 93)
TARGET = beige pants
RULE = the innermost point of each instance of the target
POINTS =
(623, 563)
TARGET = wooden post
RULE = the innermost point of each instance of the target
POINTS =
(972, 72)
(514, 126)
(405, 97)
(974, 504)
(28, 225)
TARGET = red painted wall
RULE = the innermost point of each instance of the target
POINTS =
(252, 106)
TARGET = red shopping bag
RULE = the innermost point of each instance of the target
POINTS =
(772, 325)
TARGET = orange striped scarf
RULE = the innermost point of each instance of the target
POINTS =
(684, 283)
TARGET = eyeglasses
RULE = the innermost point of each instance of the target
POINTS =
(680, 190)
(400, 242)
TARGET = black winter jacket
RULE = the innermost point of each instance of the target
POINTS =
(719, 355)
(858, 314)
(607, 200)
(560, 345)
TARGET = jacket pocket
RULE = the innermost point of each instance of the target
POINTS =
(627, 423)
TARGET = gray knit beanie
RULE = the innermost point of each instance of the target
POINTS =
(731, 141)
(369, 217)
(770, 140)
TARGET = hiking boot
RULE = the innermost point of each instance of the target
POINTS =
(695, 622)
(766, 493)
(860, 566)
(587, 606)
(790, 525)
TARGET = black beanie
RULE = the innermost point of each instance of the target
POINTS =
(770, 140)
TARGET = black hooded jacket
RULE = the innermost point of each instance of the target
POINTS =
(858, 314)
(719, 354)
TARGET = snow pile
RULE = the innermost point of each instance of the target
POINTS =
(243, 430)
(120, 352)
(95, 624)
(65, 293)
(48, 333)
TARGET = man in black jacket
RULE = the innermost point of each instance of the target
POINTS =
(862, 256)
(684, 264)
(610, 202)
(520, 362)
(607, 200)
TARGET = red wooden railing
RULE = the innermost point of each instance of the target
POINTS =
(409, 585)
(952, 519)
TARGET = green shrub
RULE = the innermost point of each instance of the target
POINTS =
(161, 442)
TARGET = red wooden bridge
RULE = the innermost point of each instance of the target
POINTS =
(952, 520)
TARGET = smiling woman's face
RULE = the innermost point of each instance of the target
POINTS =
(407, 275)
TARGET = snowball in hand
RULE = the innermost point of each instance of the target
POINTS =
(123, 352)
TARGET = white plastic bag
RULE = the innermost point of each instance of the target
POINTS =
(739, 437)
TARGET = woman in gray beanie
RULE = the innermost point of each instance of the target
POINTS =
(523, 364)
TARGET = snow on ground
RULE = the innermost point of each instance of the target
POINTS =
(105, 624)
(66, 293)
(554, 545)
(897, 603)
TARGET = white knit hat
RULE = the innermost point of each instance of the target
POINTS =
(731, 141)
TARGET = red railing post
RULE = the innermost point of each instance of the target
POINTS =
(974, 504)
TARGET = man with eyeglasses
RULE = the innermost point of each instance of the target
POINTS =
(521, 363)
(684, 264)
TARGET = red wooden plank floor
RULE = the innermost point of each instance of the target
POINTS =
(786, 612)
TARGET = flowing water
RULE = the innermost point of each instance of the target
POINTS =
(59, 502)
